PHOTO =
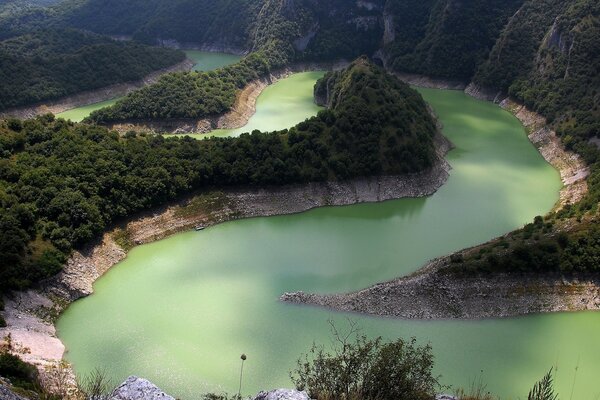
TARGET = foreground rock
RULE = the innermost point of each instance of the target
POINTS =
(6, 393)
(135, 388)
(282, 394)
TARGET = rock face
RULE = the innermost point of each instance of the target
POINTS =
(135, 388)
(282, 394)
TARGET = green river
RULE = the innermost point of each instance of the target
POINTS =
(204, 61)
(181, 311)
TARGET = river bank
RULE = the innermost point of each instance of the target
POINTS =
(30, 315)
(431, 293)
(93, 96)
(243, 108)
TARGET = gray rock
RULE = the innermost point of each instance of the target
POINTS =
(7, 394)
(282, 394)
(445, 397)
(135, 388)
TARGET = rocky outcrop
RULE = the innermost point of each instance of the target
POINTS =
(431, 293)
(6, 393)
(93, 96)
(282, 394)
(482, 93)
(135, 388)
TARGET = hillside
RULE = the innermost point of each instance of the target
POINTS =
(50, 64)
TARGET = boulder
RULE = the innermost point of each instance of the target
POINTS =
(282, 394)
(7, 394)
(135, 388)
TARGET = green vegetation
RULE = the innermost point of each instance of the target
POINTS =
(444, 38)
(62, 184)
(189, 94)
(50, 64)
(544, 389)
(357, 367)
(21, 374)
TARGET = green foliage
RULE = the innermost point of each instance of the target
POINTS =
(50, 64)
(445, 38)
(62, 184)
(19, 373)
(544, 389)
(190, 94)
(356, 367)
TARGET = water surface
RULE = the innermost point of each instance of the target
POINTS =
(180, 311)
(80, 113)
(208, 61)
(281, 105)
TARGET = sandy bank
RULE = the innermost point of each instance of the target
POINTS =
(93, 96)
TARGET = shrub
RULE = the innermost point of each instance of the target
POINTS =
(544, 389)
(360, 368)
(18, 372)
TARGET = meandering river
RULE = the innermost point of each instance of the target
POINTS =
(181, 311)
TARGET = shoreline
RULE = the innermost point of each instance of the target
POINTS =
(239, 115)
(93, 96)
(31, 315)
(429, 293)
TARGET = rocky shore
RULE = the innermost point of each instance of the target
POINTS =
(430, 293)
(93, 96)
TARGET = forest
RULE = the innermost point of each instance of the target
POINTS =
(62, 184)
(49, 64)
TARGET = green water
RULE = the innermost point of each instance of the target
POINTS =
(281, 105)
(208, 61)
(79, 113)
(180, 311)
(205, 61)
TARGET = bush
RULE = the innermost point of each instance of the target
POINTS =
(19, 373)
(360, 368)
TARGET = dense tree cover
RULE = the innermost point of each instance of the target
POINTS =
(49, 64)
(189, 94)
(445, 38)
(62, 184)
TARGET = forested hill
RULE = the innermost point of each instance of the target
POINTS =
(50, 64)
(62, 184)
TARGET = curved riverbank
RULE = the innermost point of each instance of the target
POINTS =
(430, 293)
(30, 315)
(243, 108)
(93, 96)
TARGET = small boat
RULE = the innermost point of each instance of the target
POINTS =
(199, 228)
